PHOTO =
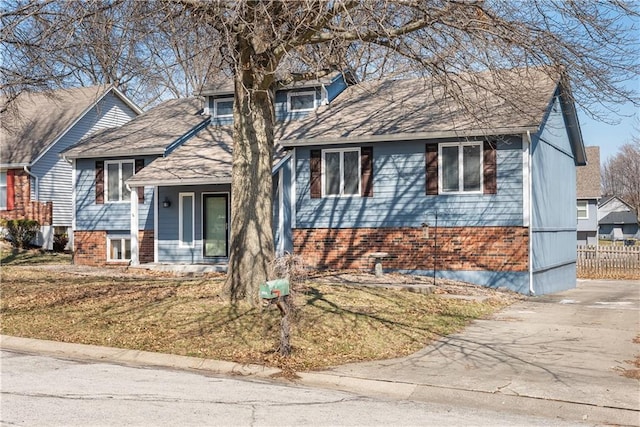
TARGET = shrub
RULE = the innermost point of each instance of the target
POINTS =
(60, 241)
(21, 231)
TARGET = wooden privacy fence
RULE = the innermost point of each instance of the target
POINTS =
(611, 262)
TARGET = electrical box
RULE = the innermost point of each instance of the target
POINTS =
(274, 289)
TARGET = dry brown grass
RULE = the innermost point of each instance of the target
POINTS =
(186, 316)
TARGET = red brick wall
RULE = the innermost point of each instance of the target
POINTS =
(458, 248)
(23, 206)
(90, 247)
(145, 241)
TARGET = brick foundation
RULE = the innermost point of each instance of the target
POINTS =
(90, 247)
(145, 243)
(458, 248)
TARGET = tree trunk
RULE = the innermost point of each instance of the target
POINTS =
(252, 244)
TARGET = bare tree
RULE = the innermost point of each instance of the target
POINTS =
(268, 43)
(621, 174)
(126, 43)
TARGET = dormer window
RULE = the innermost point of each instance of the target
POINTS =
(301, 101)
(223, 107)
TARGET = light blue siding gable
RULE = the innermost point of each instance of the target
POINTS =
(553, 233)
(55, 174)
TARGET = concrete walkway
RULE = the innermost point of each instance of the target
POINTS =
(560, 355)
(563, 353)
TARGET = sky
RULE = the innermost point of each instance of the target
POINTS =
(609, 137)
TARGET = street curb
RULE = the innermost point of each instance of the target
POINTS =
(135, 357)
(363, 386)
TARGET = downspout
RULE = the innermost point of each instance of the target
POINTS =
(37, 181)
(530, 207)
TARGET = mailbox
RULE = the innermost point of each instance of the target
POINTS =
(274, 289)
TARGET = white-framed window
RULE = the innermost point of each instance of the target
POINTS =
(583, 210)
(186, 220)
(223, 107)
(3, 190)
(460, 167)
(116, 173)
(341, 172)
(118, 248)
(301, 101)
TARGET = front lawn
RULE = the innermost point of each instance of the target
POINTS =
(334, 324)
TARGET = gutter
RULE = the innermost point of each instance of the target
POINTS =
(37, 190)
(530, 184)
(360, 139)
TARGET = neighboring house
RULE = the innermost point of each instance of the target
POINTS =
(35, 183)
(476, 187)
(617, 220)
(588, 193)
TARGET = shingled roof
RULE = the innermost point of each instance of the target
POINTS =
(619, 218)
(148, 134)
(588, 176)
(513, 101)
(37, 120)
(205, 158)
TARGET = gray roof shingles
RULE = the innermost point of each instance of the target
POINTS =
(619, 218)
(204, 159)
(37, 120)
(150, 133)
(588, 176)
(476, 104)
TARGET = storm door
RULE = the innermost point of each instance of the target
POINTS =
(215, 207)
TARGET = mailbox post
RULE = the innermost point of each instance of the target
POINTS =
(277, 292)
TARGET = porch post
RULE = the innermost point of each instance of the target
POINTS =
(135, 259)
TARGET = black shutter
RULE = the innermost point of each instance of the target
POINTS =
(431, 162)
(366, 170)
(99, 182)
(489, 168)
(315, 176)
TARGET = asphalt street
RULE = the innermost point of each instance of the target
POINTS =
(46, 391)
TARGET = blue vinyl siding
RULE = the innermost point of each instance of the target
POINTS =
(283, 114)
(169, 250)
(554, 235)
(588, 228)
(107, 216)
(280, 105)
(55, 174)
(591, 222)
(399, 193)
(335, 88)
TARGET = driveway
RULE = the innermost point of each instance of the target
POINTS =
(567, 349)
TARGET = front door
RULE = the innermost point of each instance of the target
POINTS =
(215, 225)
